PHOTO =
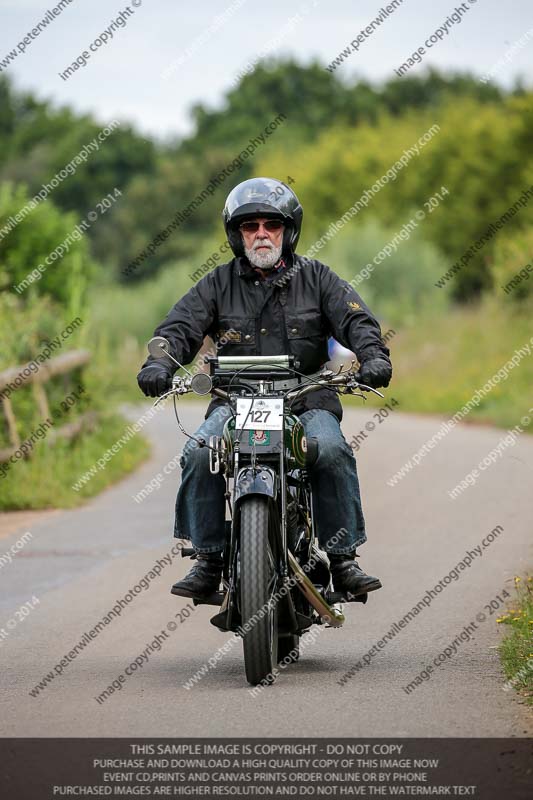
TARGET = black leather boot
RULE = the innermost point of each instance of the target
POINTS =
(203, 579)
(349, 578)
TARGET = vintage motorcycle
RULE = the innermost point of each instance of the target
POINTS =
(276, 581)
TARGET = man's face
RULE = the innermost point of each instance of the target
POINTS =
(263, 239)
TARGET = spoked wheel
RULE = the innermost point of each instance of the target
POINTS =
(288, 648)
(258, 585)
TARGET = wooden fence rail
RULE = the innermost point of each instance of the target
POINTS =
(16, 377)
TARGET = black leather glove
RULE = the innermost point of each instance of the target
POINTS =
(375, 372)
(155, 379)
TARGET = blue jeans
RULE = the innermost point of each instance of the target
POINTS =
(200, 510)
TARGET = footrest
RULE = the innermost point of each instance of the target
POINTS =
(339, 597)
(215, 599)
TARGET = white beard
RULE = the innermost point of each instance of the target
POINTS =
(264, 259)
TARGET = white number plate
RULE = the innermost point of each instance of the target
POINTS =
(259, 414)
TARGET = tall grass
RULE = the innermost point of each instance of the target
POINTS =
(516, 648)
(441, 360)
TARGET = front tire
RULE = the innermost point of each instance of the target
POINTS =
(257, 586)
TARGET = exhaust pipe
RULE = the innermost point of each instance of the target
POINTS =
(331, 615)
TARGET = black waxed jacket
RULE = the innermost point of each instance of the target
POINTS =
(295, 313)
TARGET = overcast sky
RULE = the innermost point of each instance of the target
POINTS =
(125, 78)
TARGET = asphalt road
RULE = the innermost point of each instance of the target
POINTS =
(79, 563)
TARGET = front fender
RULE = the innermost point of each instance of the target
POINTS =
(261, 480)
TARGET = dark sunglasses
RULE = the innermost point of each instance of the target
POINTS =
(271, 225)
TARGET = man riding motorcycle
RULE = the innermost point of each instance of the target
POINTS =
(270, 301)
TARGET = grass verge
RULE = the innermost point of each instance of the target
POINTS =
(440, 362)
(45, 480)
(516, 649)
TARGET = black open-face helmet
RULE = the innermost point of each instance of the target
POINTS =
(262, 197)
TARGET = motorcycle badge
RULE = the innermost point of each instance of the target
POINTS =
(353, 305)
(259, 437)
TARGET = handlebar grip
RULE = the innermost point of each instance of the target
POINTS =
(221, 393)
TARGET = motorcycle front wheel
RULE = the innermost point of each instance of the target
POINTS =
(258, 582)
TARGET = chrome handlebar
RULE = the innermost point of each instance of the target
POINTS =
(182, 386)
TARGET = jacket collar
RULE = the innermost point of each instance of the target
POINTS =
(245, 269)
